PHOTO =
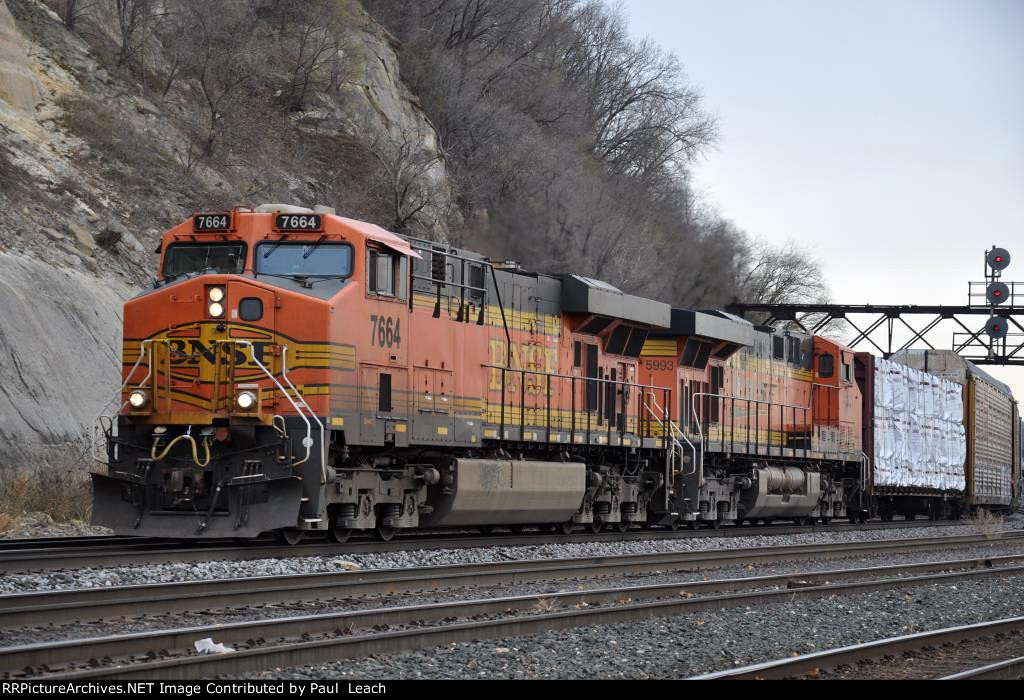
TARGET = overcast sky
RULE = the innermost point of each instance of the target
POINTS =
(886, 137)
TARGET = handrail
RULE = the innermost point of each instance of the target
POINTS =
(307, 441)
(323, 444)
(622, 428)
(556, 375)
(97, 421)
(864, 469)
(758, 402)
(672, 426)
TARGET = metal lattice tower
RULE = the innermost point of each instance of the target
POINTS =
(988, 330)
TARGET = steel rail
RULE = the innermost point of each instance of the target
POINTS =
(83, 541)
(602, 606)
(1009, 670)
(47, 558)
(84, 604)
(830, 658)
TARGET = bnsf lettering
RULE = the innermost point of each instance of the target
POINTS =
(534, 358)
(195, 351)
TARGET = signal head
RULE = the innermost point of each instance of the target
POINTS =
(997, 293)
(996, 327)
(997, 258)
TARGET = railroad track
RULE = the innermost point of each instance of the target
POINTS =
(51, 554)
(309, 639)
(57, 607)
(813, 665)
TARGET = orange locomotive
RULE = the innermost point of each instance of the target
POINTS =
(298, 372)
(773, 419)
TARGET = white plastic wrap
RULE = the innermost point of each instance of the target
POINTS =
(919, 432)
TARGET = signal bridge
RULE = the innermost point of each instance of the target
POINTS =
(988, 330)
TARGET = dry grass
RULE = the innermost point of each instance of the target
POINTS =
(63, 494)
(545, 605)
(984, 523)
(113, 139)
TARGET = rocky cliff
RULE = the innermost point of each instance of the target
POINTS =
(94, 165)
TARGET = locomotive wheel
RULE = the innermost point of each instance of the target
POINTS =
(385, 534)
(486, 529)
(565, 527)
(715, 524)
(517, 529)
(289, 535)
(826, 521)
(622, 526)
(339, 535)
(694, 524)
(674, 525)
(595, 527)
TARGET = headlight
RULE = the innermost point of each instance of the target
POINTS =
(216, 310)
(137, 399)
(246, 400)
(216, 293)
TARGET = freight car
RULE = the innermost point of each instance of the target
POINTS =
(914, 432)
(299, 372)
(990, 417)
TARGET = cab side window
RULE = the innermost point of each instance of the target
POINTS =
(826, 366)
(386, 273)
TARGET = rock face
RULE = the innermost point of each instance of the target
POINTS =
(59, 359)
(91, 174)
(19, 89)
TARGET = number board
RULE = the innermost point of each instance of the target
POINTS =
(298, 222)
(211, 223)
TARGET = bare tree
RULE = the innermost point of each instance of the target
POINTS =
(780, 274)
(133, 18)
(645, 118)
(70, 13)
(311, 50)
(406, 183)
(219, 57)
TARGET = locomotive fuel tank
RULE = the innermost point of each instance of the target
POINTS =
(505, 491)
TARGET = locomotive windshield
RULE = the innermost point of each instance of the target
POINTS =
(304, 259)
(184, 258)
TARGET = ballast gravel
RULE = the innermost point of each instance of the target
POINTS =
(85, 629)
(93, 577)
(687, 645)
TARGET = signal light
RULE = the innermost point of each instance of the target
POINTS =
(997, 293)
(996, 327)
(997, 258)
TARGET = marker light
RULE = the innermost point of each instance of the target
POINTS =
(137, 399)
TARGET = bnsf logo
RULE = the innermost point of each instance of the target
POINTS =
(194, 352)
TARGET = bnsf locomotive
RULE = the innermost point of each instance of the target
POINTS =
(297, 372)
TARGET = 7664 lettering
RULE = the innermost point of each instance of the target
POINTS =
(386, 331)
